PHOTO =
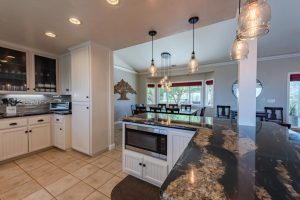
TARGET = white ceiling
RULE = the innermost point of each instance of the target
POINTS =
(25, 21)
(213, 42)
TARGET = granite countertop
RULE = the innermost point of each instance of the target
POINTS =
(227, 161)
(5, 116)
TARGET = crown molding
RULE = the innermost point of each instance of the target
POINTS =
(125, 69)
(268, 58)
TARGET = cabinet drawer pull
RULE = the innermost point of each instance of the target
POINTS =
(60, 129)
(67, 90)
(87, 107)
(40, 120)
(57, 120)
(13, 124)
(87, 97)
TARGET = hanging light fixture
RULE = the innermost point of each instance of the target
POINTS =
(255, 19)
(240, 48)
(152, 68)
(193, 63)
(165, 82)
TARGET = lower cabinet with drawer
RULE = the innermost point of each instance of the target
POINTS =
(61, 131)
(150, 169)
(13, 142)
(19, 136)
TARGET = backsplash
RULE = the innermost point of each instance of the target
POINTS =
(33, 103)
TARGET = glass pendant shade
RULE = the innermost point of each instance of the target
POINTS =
(254, 20)
(152, 69)
(193, 63)
(239, 49)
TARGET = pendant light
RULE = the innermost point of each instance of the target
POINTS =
(193, 63)
(240, 48)
(255, 19)
(165, 82)
(152, 68)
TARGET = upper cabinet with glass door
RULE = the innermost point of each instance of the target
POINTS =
(13, 70)
(45, 74)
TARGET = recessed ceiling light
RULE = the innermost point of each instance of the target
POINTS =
(74, 20)
(50, 34)
(11, 57)
(113, 2)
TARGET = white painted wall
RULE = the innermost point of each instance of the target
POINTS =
(272, 73)
(124, 71)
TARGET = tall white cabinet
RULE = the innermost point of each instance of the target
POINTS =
(90, 72)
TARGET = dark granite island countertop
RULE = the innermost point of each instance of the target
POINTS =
(227, 161)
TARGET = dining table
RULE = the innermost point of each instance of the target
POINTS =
(156, 109)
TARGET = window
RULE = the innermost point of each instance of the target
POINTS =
(150, 94)
(294, 95)
(209, 93)
(181, 93)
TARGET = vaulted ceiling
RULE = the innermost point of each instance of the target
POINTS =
(213, 42)
(25, 21)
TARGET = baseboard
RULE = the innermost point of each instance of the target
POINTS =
(112, 146)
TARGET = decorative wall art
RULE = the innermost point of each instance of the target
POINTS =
(123, 88)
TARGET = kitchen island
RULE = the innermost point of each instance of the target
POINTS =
(227, 161)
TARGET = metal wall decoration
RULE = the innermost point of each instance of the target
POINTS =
(123, 88)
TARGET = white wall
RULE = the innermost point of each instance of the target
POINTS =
(272, 73)
(123, 71)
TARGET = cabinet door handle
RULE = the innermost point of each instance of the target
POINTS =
(13, 124)
(57, 120)
(67, 90)
(34, 89)
(87, 107)
(140, 164)
(40, 120)
(26, 131)
(28, 88)
(60, 129)
(30, 131)
(144, 165)
(87, 97)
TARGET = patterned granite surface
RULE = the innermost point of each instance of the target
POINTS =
(226, 161)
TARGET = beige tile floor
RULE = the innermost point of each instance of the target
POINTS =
(62, 175)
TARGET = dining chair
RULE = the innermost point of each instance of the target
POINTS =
(223, 111)
(162, 106)
(202, 112)
(172, 106)
(133, 110)
(186, 107)
(274, 114)
(173, 110)
(155, 109)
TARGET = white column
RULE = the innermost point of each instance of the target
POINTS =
(247, 72)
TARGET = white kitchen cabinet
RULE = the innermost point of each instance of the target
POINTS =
(64, 63)
(155, 171)
(61, 131)
(81, 127)
(80, 61)
(91, 71)
(147, 168)
(132, 163)
(13, 142)
(39, 136)
(177, 142)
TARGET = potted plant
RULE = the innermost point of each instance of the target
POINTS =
(11, 105)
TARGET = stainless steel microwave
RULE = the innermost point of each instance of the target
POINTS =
(60, 106)
(146, 140)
